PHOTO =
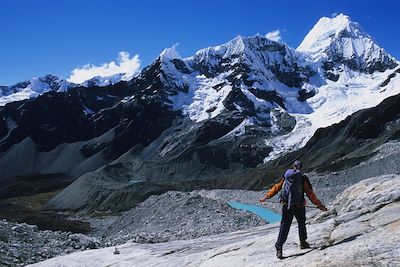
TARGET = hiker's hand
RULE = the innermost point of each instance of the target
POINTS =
(323, 208)
(263, 199)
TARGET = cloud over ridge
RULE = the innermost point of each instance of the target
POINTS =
(126, 65)
(274, 35)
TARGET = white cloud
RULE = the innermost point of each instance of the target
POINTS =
(124, 64)
(274, 35)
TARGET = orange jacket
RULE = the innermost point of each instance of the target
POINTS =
(307, 189)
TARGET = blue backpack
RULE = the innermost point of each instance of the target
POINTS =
(292, 191)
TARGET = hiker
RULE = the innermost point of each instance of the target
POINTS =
(294, 185)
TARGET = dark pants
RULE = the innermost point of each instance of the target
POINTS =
(287, 217)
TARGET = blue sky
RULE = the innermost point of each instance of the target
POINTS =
(57, 36)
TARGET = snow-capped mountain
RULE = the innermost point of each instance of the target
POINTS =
(337, 70)
(32, 88)
(336, 41)
(38, 86)
(199, 121)
(353, 73)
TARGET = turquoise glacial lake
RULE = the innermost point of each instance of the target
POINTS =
(266, 214)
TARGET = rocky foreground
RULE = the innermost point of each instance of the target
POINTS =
(362, 228)
(21, 244)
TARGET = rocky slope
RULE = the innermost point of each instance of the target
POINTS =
(361, 228)
(177, 215)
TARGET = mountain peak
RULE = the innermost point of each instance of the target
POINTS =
(340, 40)
(170, 53)
(326, 30)
(242, 44)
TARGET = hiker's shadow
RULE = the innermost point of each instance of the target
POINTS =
(298, 254)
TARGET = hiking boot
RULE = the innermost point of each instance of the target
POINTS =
(279, 253)
(304, 245)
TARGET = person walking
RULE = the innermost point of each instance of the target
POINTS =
(294, 185)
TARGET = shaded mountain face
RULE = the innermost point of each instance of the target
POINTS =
(197, 122)
(56, 117)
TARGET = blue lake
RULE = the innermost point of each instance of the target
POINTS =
(266, 214)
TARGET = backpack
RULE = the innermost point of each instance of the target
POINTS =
(292, 191)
